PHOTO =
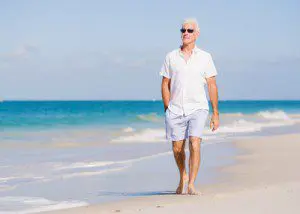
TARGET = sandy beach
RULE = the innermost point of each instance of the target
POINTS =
(265, 179)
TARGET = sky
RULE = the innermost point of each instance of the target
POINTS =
(113, 50)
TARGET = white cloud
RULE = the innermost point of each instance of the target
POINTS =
(18, 57)
(22, 52)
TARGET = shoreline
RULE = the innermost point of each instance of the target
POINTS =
(264, 172)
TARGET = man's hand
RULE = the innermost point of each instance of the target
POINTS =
(165, 91)
(166, 107)
(214, 122)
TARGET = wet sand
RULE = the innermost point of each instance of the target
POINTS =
(264, 179)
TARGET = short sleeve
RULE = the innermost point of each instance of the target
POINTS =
(210, 69)
(165, 69)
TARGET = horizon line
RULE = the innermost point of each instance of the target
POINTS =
(153, 100)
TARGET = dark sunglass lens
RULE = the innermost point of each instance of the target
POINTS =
(190, 30)
(182, 30)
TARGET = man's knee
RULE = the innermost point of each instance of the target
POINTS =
(178, 146)
(195, 144)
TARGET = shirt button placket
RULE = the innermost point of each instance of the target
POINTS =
(183, 89)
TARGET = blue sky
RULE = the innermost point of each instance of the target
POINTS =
(115, 49)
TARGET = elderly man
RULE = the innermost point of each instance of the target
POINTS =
(185, 72)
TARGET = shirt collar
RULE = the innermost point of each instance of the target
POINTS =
(195, 50)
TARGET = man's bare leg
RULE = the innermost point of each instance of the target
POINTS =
(194, 163)
(179, 155)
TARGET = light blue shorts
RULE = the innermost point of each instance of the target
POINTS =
(180, 127)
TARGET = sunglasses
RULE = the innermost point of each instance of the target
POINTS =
(182, 30)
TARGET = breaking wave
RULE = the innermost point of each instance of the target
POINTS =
(151, 117)
(276, 115)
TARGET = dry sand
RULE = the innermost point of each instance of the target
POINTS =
(265, 179)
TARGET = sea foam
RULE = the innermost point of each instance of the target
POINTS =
(146, 135)
(240, 123)
(25, 205)
(276, 115)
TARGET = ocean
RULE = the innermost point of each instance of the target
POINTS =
(60, 154)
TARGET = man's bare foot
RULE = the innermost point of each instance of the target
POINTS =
(182, 183)
(192, 190)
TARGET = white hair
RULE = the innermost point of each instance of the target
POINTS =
(192, 21)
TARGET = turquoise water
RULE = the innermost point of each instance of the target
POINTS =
(58, 114)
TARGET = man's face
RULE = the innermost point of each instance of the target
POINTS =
(189, 37)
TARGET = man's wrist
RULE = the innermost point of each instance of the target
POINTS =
(215, 113)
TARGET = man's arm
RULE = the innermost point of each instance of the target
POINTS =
(213, 95)
(165, 91)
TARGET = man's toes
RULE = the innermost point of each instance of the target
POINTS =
(193, 191)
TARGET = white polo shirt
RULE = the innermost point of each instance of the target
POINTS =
(188, 80)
